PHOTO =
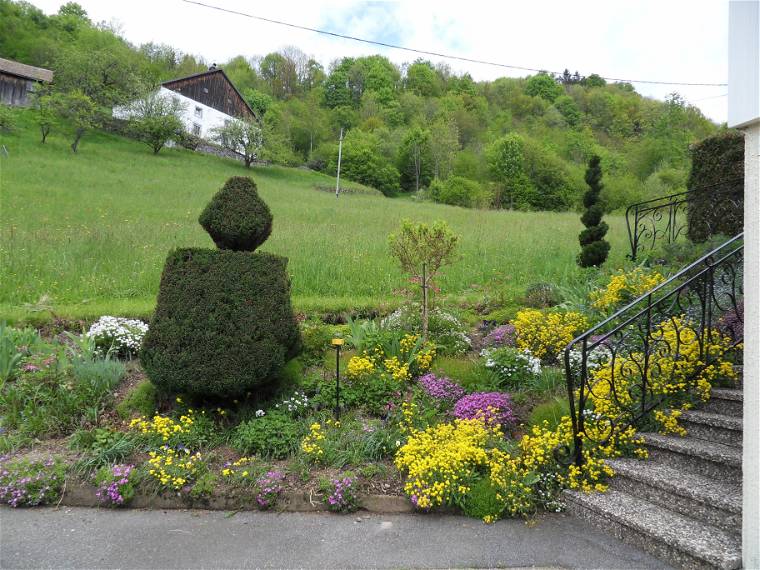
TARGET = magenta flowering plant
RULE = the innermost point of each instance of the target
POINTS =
(440, 387)
(30, 483)
(116, 485)
(503, 335)
(269, 488)
(491, 407)
(340, 494)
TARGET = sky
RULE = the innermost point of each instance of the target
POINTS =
(660, 40)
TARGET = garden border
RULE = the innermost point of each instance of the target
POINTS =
(77, 494)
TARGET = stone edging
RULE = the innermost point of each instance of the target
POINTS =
(83, 495)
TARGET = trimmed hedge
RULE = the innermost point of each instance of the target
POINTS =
(237, 218)
(223, 324)
(717, 184)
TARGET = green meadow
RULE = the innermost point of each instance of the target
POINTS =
(87, 234)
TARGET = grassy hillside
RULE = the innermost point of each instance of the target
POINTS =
(92, 230)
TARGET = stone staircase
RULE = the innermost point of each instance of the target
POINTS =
(684, 503)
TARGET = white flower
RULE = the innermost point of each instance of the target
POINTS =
(260, 413)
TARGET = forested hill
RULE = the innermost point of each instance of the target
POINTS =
(512, 142)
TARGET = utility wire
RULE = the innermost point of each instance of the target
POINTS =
(432, 53)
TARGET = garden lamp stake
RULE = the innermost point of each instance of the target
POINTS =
(337, 343)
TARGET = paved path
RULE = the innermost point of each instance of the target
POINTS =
(92, 538)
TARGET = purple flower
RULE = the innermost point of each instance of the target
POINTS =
(441, 388)
(503, 335)
(492, 407)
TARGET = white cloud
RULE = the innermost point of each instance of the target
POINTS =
(676, 40)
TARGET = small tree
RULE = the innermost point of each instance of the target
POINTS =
(7, 119)
(422, 250)
(506, 162)
(241, 137)
(45, 110)
(78, 110)
(594, 249)
(155, 119)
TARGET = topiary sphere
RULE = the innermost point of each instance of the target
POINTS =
(237, 218)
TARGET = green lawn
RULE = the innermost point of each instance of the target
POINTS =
(91, 231)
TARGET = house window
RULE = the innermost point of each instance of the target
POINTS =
(199, 112)
(196, 129)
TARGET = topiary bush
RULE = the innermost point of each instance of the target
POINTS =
(237, 218)
(594, 249)
(223, 324)
(716, 181)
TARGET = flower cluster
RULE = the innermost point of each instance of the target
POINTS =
(669, 422)
(312, 443)
(163, 427)
(504, 335)
(493, 408)
(173, 469)
(440, 387)
(677, 370)
(115, 485)
(238, 471)
(29, 483)
(511, 365)
(123, 336)
(296, 404)
(410, 358)
(342, 495)
(625, 287)
(441, 461)
(269, 488)
(545, 335)
(444, 329)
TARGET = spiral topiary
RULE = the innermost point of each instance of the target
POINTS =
(594, 249)
(223, 324)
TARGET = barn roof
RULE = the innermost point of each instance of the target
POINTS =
(172, 83)
(25, 71)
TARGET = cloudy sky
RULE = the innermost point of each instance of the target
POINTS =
(660, 40)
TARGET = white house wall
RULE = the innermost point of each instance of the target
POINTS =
(198, 118)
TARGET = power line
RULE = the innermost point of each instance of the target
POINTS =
(432, 53)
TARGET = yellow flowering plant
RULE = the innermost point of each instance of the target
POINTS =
(625, 287)
(164, 428)
(174, 469)
(545, 335)
(681, 368)
(241, 472)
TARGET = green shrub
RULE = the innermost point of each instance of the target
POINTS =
(223, 324)
(460, 191)
(717, 184)
(316, 339)
(542, 296)
(482, 500)
(236, 217)
(445, 329)
(274, 435)
(551, 412)
(594, 249)
(141, 400)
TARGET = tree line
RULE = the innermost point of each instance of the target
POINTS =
(416, 128)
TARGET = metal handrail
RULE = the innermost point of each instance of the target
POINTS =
(703, 290)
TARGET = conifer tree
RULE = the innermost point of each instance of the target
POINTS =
(594, 248)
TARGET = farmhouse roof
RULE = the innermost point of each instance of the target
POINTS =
(26, 71)
(180, 82)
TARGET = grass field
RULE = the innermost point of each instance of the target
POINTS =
(91, 231)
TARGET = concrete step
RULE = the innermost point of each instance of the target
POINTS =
(679, 540)
(707, 458)
(713, 502)
(727, 401)
(713, 427)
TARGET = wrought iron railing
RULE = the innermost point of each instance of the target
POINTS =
(664, 219)
(676, 318)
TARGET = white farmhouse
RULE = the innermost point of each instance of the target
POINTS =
(209, 100)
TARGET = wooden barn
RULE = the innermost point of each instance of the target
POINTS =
(18, 81)
(210, 98)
